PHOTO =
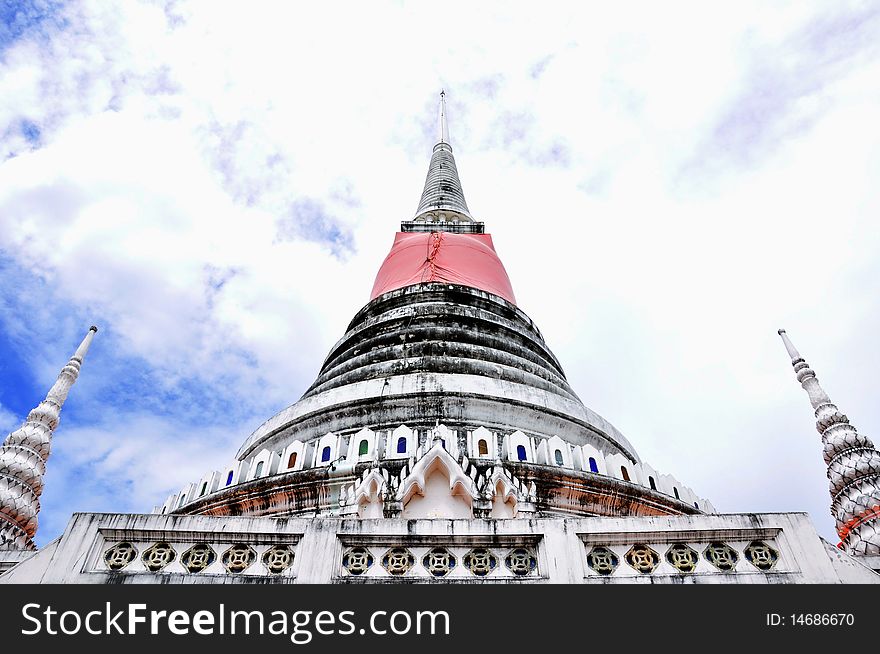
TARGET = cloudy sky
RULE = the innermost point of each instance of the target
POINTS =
(216, 186)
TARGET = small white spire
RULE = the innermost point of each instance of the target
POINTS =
(86, 342)
(443, 136)
(442, 198)
(23, 458)
(792, 352)
(853, 465)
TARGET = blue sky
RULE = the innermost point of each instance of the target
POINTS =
(215, 190)
(34, 19)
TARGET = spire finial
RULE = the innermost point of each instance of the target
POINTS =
(442, 207)
(443, 137)
(23, 458)
(792, 352)
(853, 465)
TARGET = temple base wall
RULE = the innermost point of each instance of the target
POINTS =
(721, 548)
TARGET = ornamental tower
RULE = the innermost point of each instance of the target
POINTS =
(440, 382)
(442, 442)
(443, 199)
(853, 465)
(23, 459)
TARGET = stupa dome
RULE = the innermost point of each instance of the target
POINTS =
(440, 373)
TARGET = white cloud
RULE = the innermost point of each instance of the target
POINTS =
(130, 461)
(218, 188)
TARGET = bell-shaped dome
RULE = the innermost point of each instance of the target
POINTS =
(467, 259)
(440, 362)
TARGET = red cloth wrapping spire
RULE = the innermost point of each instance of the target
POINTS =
(467, 259)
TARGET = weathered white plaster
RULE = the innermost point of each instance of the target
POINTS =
(391, 449)
(437, 487)
(482, 436)
(295, 454)
(354, 446)
(591, 452)
(265, 464)
(560, 545)
(327, 443)
(515, 439)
